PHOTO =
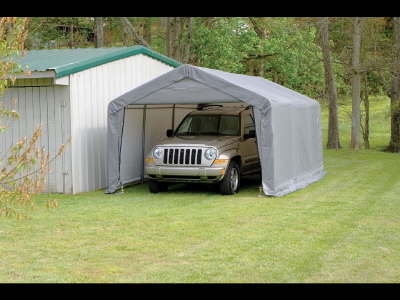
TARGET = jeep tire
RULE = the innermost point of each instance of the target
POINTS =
(230, 184)
(156, 186)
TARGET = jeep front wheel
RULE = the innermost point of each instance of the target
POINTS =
(156, 187)
(231, 181)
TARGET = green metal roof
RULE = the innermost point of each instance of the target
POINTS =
(69, 61)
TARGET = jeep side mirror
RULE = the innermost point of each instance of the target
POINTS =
(251, 134)
(170, 132)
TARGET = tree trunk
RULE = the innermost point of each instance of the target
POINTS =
(147, 30)
(356, 85)
(174, 37)
(168, 36)
(330, 83)
(189, 42)
(175, 43)
(71, 34)
(366, 108)
(256, 66)
(127, 37)
(394, 145)
(99, 32)
(132, 31)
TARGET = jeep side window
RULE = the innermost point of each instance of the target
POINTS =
(185, 125)
(248, 123)
(229, 125)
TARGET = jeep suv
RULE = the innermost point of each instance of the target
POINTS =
(210, 145)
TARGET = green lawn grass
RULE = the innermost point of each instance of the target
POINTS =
(344, 228)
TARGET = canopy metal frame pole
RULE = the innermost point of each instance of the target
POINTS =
(143, 140)
(173, 118)
(120, 150)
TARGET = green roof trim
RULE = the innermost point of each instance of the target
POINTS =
(69, 61)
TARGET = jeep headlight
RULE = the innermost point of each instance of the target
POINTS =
(210, 154)
(157, 153)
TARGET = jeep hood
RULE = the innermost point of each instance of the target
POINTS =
(205, 140)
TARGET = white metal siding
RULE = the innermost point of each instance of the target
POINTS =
(90, 92)
(39, 102)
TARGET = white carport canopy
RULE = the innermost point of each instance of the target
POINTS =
(287, 123)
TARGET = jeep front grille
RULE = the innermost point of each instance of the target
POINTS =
(182, 156)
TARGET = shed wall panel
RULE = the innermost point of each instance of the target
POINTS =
(40, 105)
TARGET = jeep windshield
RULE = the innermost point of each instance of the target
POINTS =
(226, 125)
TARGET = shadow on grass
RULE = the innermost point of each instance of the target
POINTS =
(248, 183)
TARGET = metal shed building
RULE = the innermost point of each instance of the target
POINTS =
(68, 92)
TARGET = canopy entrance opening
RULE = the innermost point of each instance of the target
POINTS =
(287, 124)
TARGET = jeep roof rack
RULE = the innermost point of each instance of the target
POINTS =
(203, 106)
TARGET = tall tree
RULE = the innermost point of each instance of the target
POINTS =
(356, 84)
(71, 42)
(171, 36)
(188, 45)
(166, 22)
(394, 145)
(330, 83)
(375, 63)
(178, 37)
(256, 62)
(147, 29)
(365, 99)
(99, 32)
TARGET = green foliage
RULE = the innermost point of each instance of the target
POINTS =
(12, 36)
(376, 52)
(296, 62)
(219, 46)
(292, 55)
(60, 32)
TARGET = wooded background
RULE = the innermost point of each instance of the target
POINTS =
(324, 58)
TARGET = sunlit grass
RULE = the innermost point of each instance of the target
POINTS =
(343, 228)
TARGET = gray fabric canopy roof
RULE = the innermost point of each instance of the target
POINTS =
(287, 123)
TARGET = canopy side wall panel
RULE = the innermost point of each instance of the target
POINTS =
(131, 152)
(158, 118)
(40, 105)
(157, 123)
(297, 147)
(91, 91)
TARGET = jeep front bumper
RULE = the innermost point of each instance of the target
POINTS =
(185, 174)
